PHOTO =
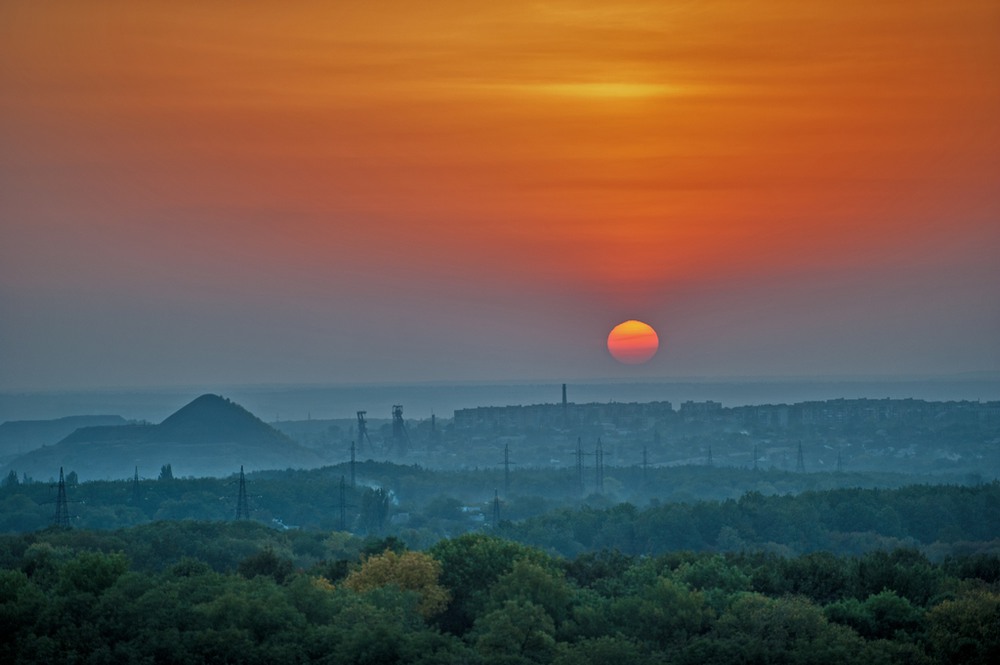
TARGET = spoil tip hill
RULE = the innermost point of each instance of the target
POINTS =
(210, 436)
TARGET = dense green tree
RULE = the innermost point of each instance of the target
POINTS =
(471, 564)
(266, 562)
(663, 613)
(894, 617)
(528, 581)
(757, 629)
(602, 571)
(966, 629)
(516, 632)
(906, 571)
(92, 572)
(616, 650)
(81, 596)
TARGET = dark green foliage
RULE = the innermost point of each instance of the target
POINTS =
(267, 563)
(471, 565)
(761, 579)
(601, 571)
(410, 506)
(966, 629)
(906, 571)
(95, 597)
(783, 524)
(373, 545)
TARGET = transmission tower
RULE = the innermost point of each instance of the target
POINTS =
(710, 456)
(61, 518)
(755, 457)
(645, 467)
(342, 505)
(353, 450)
(506, 470)
(565, 408)
(135, 488)
(800, 464)
(579, 464)
(496, 509)
(599, 467)
(242, 507)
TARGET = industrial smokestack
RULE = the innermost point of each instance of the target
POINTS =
(564, 394)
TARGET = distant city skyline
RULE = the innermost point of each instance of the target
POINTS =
(281, 402)
(451, 191)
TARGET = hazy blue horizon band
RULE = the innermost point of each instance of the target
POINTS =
(420, 401)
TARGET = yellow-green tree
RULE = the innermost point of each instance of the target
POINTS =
(967, 628)
(409, 571)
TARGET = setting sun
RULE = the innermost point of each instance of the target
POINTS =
(633, 342)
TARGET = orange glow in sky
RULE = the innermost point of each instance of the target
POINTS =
(454, 169)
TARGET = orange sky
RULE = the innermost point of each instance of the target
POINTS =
(561, 166)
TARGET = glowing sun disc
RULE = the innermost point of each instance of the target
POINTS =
(633, 342)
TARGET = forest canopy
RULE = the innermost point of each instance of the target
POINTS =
(237, 593)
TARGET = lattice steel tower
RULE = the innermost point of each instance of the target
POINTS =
(61, 518)
(496, 509)
(599, 467)
(242, 506)
(135, 487)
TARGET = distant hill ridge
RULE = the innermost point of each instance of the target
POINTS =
(98, 433)
(208, 419)
(211, 435)
(19, 436)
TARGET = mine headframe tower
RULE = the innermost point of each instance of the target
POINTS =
(363, 437)
(400, 437)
